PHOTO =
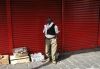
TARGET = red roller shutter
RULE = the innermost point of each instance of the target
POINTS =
(28, 18)
(77, 20)
(99, 35)
(80, 23)
(99, 24)
(4, 49)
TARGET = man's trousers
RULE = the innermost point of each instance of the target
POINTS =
(51, 48)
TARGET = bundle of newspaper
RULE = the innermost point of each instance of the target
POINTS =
(14, 60)
(20, 52)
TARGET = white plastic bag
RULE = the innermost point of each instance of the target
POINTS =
(36, 57)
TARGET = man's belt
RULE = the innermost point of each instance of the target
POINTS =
(50, 38)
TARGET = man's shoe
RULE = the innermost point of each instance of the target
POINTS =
(48, 59)
(54, 62)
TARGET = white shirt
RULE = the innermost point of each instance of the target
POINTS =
(46, 27)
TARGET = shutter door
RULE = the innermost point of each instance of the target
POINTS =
(3, 28)
(99, 24)
(99, 35)
(28, 18)
(80, 24)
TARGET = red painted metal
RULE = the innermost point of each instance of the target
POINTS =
(9, 23)
(3, 28)
(21, 24)
(28, 18)
(80, 25)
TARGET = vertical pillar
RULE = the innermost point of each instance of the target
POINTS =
(98, 32)
(9, 22)
(62, 24)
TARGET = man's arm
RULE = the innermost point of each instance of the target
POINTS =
(56, 29)
(44, 29)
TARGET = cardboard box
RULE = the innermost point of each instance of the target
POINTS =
(15, 60)
(4, 59)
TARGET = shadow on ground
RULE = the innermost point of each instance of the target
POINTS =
(66, 55)
(45, 64)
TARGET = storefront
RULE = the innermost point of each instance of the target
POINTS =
(21, 24)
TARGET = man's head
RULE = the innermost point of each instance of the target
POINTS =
(49, 20)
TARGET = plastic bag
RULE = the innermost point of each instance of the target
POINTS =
(37, 57)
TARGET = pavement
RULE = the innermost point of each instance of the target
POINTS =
(85, 59)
